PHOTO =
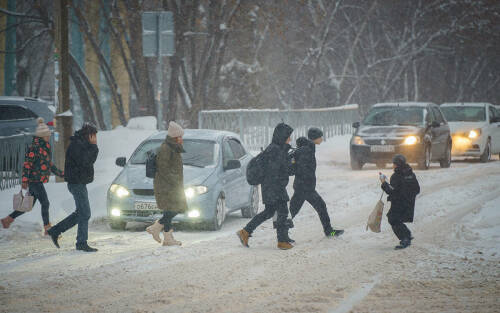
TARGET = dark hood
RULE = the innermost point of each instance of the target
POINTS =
(78, 136)
(281, 134)
(404, 170)
(303, 141)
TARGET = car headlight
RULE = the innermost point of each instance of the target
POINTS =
(116, 212)
(411, 140)
(357, 140)
(195, 191)
(194, 213)
(473, 134)
(119, 191)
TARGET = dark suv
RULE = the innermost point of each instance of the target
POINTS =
(18, 115)
(418, 130)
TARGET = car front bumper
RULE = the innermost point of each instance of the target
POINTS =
(128, 212)
(363, 153)
(466, 147)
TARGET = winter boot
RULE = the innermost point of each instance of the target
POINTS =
(155, 230)
(284, 245)
(169, 239)
(46, 229)
(244, 236)
(334, 233)
(7, 221)
(85, 247)
(405, 243)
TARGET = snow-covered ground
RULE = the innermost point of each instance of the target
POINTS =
(452, 266)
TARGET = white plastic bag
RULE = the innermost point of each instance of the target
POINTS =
(23, 203)
(375, 218)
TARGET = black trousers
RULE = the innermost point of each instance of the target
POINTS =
(400, 229)
(298, 199)
(166, 220)
(37, 190)
(281, 208)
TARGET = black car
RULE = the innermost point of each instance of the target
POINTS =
(418, 130)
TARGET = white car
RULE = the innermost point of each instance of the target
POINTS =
(475, 129)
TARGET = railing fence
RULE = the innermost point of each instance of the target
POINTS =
(256, 127)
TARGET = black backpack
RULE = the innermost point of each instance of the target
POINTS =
(151, 164)
(255, 170)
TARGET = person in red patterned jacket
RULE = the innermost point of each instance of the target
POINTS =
(36, 171)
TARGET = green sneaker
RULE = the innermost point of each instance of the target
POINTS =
(335, 233)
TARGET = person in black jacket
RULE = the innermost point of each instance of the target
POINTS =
(79, 171)
(274, 194)
(305, 180)
(402, 190)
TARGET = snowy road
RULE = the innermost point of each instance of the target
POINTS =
(453, 265)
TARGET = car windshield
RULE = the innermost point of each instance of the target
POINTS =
(386, 116)
(464, 114)
(199, 153)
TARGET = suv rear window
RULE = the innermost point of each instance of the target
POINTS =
(387, 116)
(13, 112)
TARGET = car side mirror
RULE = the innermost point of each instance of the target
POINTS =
(121, 161)
(435, 124)
(232, 165)
(355, 125)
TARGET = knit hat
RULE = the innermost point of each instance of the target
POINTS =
(42, 130)
(399, 160)
(175, 130)
(314, 133)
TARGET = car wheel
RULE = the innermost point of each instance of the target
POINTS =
(219, 214)
(252, 210)
(356, 165)
(381, 165)
(425, 162)
(118, 225)
(486, 156)
(446, 161)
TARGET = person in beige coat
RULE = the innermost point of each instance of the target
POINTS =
(169, 185)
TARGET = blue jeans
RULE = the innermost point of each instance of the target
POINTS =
(37, 190)
(81, 215)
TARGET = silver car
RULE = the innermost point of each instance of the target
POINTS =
(214, 178)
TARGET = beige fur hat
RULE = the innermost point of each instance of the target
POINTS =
(42, 130)
(175, 130)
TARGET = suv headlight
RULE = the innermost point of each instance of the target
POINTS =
(411, 140)
(191, 192)
(473, 134)
(119, 191)
(357, 140)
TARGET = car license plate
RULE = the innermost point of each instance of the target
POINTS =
(145, 206)
(386, 148)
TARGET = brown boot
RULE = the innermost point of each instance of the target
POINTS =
(284, 245)
(155, 230)
(244, 236)
(46, 229)
(169, 239)
(7, 221)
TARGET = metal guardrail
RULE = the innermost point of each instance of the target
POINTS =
(256, 127)
(12, 153)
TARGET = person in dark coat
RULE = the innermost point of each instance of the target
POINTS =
(402, 190)
(79, 171)
(273, 188)
(305, 180)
